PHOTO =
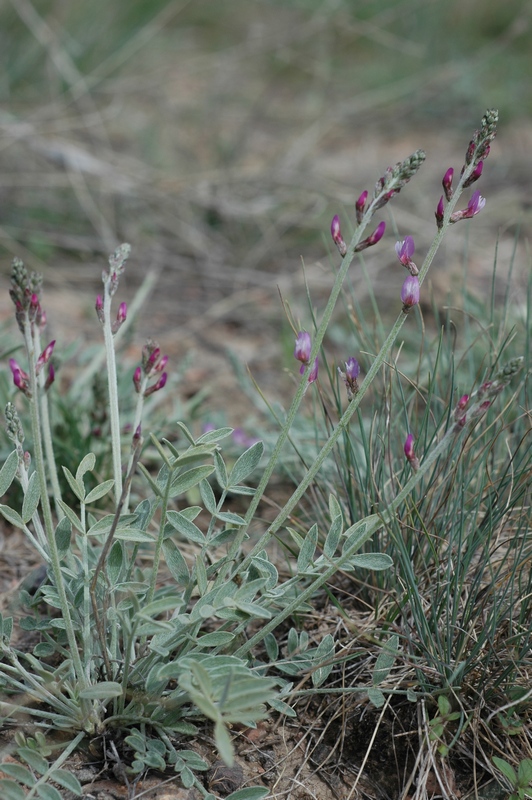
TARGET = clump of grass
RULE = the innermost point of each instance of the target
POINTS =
(140, 661)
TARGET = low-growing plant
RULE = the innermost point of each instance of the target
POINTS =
(126, 656)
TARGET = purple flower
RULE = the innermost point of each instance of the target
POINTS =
(137, 377)
(476, 204)
(405, 250)
(51, 377)
(375, 237)
(349, 377)
(410, 292)
(156, 386)
(303, 348)
(474, 207)
(336, 234)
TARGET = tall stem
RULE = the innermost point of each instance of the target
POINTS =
(114, 416)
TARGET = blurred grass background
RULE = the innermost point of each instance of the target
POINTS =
(219, 138)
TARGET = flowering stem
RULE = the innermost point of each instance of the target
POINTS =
(55, 561)
(114, 416)
(342, 426)
(47, 435)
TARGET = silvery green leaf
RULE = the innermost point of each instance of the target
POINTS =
(223, 743)
(232, 519)
(99, 491)
(246, 464)
(411, 695)
(374, 561)
(175, 562)
(282, 707)
(66, 779)
(293, 641)
(214, 436)
(220, 469)
(207, 495)
(324, 653)
(183, 428)
(272, 646)
(103, 690)
(87, 465)
(192, 455)
(20, 773)
(386, 660)
(159, 606)
(333, 537)
(116, 561)
(63, 535)
(201, 574)
(249, 793)
(33, 759)
(31, 498)
(308, 548)
(73, 517)
(376, 697)
(360, 532)
(77, 488)
(215, 639)
(10, 790)
(133, 535)
(186, 480)
(335, 510)
(12, 516)
(185, 526)
(47, 792)
(8, 472)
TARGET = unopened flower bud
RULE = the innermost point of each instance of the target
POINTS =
(45, 356)
(410, 292)
(360, 206)
(50, 378)
(121, 316)
(439, 213)
(410, 453)
(475, 175)
(313, 375)
(303, 348)
(375, 237)
(137, 377)
(447, 183)
(99, 308)
(161, 364)
(336, 234)
(20, 378)
(159, 385)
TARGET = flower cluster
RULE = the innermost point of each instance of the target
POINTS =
(152, 366)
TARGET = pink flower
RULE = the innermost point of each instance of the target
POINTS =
(99, 308)
(349, 377)
(405, 250)
(474, 207)
(156, 386)
(137, 376)
(21, 379)
(410, 292)
(475, 175)
(303, 348)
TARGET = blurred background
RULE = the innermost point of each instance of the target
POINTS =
(219, 139)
